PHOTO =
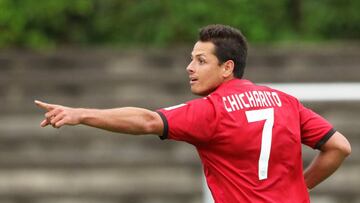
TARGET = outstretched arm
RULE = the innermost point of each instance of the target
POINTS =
(129, 120)
(331, 155)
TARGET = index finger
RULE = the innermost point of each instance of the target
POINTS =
(44, 105)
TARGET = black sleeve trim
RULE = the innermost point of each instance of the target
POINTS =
(166, 126)
(325, 138)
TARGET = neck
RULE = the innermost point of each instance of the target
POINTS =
(229, 78)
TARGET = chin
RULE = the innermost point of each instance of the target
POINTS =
(200, 92)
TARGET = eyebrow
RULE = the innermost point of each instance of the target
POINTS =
(197, 55)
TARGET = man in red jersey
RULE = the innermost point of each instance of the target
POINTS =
(248, 136)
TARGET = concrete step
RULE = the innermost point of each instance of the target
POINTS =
(128, 95)
(328, 198)
(131, 96)
(303, 64)
(103, 199)
(343, 115)
(108, 184)
(92, 151)
(274, 64)
(147, 181)
(345, 182)
(24, 143)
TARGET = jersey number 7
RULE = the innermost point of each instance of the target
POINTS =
(268, 116)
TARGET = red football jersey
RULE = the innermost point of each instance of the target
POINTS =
(249, 141)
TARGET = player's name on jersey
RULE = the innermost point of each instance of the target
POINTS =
(251, 99)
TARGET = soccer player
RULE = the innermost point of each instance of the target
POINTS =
(248, 137)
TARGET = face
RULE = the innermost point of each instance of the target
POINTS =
(204, 71)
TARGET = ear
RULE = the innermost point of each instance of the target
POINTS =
(228, 68)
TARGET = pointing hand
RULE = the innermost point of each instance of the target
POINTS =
(57, 115)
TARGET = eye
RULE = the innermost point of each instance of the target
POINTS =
(201, 61)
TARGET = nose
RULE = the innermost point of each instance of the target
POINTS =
(190, 68)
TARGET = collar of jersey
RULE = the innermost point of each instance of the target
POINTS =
(235, 81)
(232, 82)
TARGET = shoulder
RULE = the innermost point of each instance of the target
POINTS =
(203, 104)
(210, 103)
(283, 95)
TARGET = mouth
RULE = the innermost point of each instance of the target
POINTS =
(193, 81)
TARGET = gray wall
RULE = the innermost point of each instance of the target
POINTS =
(84, 165)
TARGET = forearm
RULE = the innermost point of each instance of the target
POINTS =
(127, 120)
(323, 165)
(332, 154)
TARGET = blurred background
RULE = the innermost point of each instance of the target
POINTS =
(112, 53)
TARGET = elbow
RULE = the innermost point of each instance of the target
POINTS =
(345, 147)
(346, 150)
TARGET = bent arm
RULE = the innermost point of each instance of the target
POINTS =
(129, 120)
(331, 155)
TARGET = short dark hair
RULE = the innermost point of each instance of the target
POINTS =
(230, 44)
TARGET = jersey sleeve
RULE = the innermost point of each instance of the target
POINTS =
(193, 122)
(315, 130)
